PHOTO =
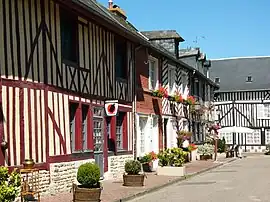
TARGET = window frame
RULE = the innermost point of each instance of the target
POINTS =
(171, 79)
(124, 133)
(81, 142)
(155, 71)
(217, 79)
(263, 111)
(72, 19)
(124, 60)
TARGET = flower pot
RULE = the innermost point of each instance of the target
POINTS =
(206, 157)
(171, 171)
(28, 164)
(86, 194)
(133, 180)
(147, 167)
(194, 155)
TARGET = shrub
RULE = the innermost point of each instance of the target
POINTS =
(88, 175)
(172, 157)
(206, 149)
(9, 185)
(147, 158)
(132, 167)
(221, 145)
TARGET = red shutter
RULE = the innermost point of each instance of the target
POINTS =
(125, 133)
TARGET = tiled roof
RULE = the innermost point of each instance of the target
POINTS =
(163, 34)
(233, 73)
(96, 8)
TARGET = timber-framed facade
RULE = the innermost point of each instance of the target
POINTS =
(59, 63)
(244, 100)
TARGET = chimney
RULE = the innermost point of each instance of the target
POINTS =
(110, 4)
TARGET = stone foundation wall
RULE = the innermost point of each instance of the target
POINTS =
(116, 166)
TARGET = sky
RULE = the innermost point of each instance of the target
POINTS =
(221, 28)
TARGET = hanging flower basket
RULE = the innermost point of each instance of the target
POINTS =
(161, 92)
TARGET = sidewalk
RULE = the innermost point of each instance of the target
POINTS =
(114, 191)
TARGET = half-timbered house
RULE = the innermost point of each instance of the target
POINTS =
(59, 61)
(178, 78)
(202, 88)
(244, 99)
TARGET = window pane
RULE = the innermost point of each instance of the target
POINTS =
(98, 136)
(84, 125)
(68, 27)
(72, 117)
(119, 130)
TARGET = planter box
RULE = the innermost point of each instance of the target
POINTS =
(206, 157)
(194, 155)
(133, 180)
(86, 195)
(171, 171)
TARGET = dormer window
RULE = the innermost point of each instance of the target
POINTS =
(217, 80)
(249, 79)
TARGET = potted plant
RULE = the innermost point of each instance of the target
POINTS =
(161, 92)
(89, 188)
(147, 161)
(206, 151)
(132, 176)
(9, 185)
(171, 162)
(182, 135)
(190, 100)
(193, 151)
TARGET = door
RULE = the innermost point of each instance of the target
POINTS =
(165, 128)
(142, 135)
(153, 135)
(98, 144)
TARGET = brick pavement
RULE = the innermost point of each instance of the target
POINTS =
(114, 191)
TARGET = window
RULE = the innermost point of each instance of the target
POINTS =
(153, 74)
(254, 138)
(111, 145)
(142, 129)
(228, 137)
(217, 80)
(263, 111)
(98, 129)
(80, 127)
(171, 79)
(267, 136)
(69, 42)
(120, 58)
(249, 79)
(121, 133)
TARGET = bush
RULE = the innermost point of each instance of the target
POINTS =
(132, 167)
(88, 175)
(206, 149)
(221, 145)
(9, 185)
(172, 157)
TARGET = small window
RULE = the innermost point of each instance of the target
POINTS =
(69, 42)
(249, 79)
(153, 74)
(120, 130)
(120, 58)
(217, 80)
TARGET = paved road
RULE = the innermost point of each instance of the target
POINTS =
(241, 181)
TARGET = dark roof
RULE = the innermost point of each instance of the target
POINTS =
(97, 9)
(233, 73)
(162, 34)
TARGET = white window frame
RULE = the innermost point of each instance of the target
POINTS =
(263, 111)
(155, 80)
(254, 138)
(171, 79)
(267, 136)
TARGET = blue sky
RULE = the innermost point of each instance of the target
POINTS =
(231, 28)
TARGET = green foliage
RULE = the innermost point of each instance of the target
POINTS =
(206, 149)
(9, 185)
(145, 159)
(88, 175)
(221, 145)
(172, 157)
(132, 167)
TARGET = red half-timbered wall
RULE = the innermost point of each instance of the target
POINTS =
(37, 85)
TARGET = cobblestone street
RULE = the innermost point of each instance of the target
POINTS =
(241, 181)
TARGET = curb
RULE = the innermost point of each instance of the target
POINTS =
(153, 189)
